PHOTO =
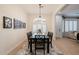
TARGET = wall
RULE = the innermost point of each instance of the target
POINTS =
(10, 38)
(78, 25)
(48, 18)
(58, 9)
(59, 25)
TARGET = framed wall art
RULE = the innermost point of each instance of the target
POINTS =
(23, 25)
(19, 24)
(7, 22)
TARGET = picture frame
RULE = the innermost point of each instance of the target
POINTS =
(19, 24)
(16, 24)
(24, 25)
(7, 22)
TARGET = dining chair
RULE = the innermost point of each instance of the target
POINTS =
(77, 37)
(29, 34)
(39, 42)
(50, 35)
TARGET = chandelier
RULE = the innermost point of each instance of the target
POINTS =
(39, 18)
(39, 23)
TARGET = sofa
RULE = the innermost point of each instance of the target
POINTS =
(71, 35)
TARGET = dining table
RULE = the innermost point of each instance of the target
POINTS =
(33, 38)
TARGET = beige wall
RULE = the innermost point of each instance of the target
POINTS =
(48, 18)
(10, 38)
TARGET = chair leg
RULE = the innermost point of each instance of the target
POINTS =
(44, 51)
(51, 45)
(28, 45)
(44, 47)
(35, 47)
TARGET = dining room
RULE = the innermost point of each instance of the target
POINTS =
(40, 30)
(27, 28)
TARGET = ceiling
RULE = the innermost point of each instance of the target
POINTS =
(34, 8)
(71, 10)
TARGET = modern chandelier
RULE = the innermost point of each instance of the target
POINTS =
(39, 23)
(40, 18)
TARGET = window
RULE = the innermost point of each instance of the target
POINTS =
(70, 25)
(66, 26)
(75, 26)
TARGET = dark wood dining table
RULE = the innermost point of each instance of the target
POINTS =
(32, 38)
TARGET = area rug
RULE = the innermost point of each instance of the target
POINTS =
(26, 51)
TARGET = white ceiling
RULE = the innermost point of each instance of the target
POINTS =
(34, 8)
(71, 10)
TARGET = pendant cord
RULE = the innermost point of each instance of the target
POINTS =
(40, 10)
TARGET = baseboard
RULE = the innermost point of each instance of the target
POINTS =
(14, 50)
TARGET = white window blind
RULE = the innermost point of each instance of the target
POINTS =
(70, 26)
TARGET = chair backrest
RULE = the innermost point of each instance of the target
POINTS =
(50, 34)
(29, 34)
(77, 35)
